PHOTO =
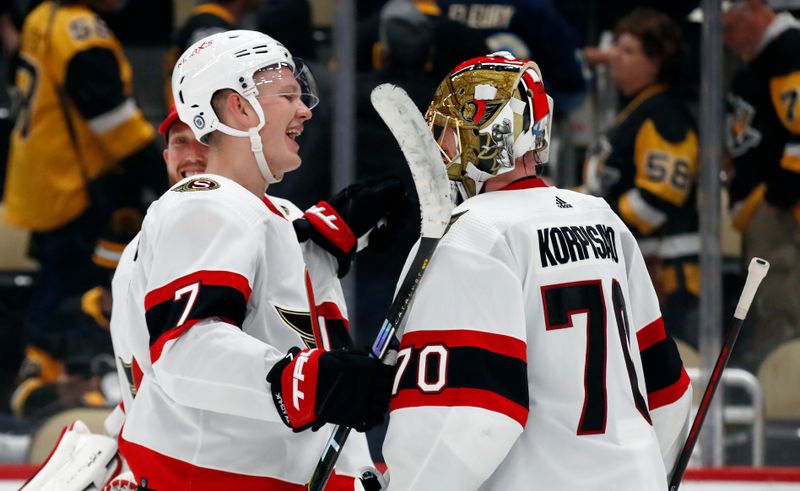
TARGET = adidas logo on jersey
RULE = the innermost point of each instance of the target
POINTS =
(562, 204)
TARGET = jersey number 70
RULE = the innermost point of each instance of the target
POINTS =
(563, 301)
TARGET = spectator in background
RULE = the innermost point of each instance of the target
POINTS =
(452, 41)
(764, 142)
(289, 21)
(646, 165)
(80, 149)
(66, 362)
(206, 18)
(532, 29)
(9, 35)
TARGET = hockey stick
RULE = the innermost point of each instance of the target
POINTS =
(430, 179)
(755, 273)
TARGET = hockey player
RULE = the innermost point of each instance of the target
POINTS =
(219, 287)
(364, 205)
(534, 355)
(80, 457)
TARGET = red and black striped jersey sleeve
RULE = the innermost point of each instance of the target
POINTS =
(665, 377)
(200, 256)
(175, 307)
(463, 368)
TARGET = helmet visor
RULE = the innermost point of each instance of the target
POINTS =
(282, 80)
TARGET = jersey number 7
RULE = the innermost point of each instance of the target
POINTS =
(564, 300)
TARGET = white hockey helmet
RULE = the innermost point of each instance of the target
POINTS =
(229, 60)
(498, 110)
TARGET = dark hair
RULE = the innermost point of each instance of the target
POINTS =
(661, 40)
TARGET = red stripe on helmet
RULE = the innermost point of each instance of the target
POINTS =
(540, 105)
(498, 60)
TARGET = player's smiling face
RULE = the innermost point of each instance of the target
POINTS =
(285, 114)
(185, 156)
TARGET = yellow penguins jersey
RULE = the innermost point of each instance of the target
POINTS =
(77, 117)
(764, 124)
(205, 19)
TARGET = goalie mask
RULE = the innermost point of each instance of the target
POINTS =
(230, 60)
(485, 114)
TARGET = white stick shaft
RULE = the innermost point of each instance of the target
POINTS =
(755, 273)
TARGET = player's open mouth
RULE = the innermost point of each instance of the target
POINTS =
(191, 171)
(293, 133)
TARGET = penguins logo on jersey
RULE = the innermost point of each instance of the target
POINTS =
(300, 322)
(197, 184)
(741, 135)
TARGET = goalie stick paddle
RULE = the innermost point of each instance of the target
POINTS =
(755, 273)
(433, 189)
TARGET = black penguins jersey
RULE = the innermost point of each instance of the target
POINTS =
(764, 124)
(651, 169)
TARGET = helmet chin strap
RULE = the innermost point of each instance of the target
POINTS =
(258, 152)
(255, 141)
(257, 147)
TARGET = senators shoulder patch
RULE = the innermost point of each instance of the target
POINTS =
(198, 184)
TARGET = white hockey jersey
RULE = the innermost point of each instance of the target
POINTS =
(534, 356)
(212, 293)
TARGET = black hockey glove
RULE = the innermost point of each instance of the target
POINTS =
(361, 206)
(313, 387)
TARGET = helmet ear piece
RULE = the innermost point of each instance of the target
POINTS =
(534, 85)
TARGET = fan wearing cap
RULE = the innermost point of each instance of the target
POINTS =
(534, 355)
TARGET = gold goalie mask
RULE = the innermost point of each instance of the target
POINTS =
(495, 110)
